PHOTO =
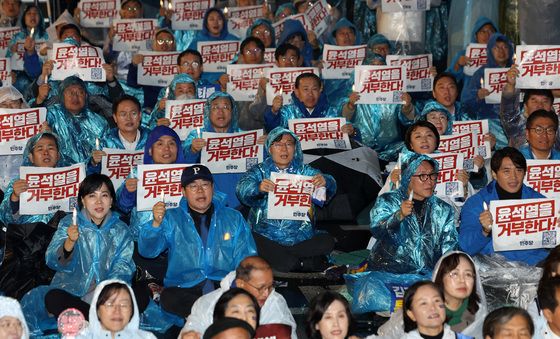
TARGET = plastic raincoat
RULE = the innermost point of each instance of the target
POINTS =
(9, 164)
(6, 215)
(274, 311)
(10, 308)
(479, 109)
(292, 27)
(437, 19)
(181, 78)
(95, 329)
(77, 133)
(285, 232)
(432, 106)
(223, 182)
(229, 241)
(474, 242)
(268, 25)
(409, 246)
(394, 327)
(297, 110)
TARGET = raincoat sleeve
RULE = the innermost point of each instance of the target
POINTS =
(126, 200)
(54, 254)
(248, 187)
(384, 217)
(152, 240)
(512, 118)
(471, 239)
(272, 120)
(6, 213)
(469, 96)
(458, 74)
(122, 266)
(190, 156)
(201, 313)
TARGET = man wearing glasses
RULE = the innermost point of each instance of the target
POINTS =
(475, 231)
(541, 131)
(205, 240)
(255, 276)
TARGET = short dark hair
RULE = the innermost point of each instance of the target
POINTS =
(225, 324)
(123, 98)
(92, 183)
(222, 303)
(317, 309)
(283, 49)
(414, 126)
(67, 27)
(450, 263)
(542, 113)
(187, 52)
(110, 290)
(495, 319)
(409, 324)
(310, 75)
(442, 75)
(508, 152)
(546, 293)
(537, 91)
(254, 40)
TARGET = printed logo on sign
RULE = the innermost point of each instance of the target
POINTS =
(340, 144)
(72, 203)
(250, 162)
(397, 96)
(451, 188)
(96, 74)
(549, 238)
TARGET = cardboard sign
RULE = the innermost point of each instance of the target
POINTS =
(339, 62)
(17, 126)
(50, 189)
(524, 224)
(478, 58)
(404, 5)
(243, 83)
(133, 34)
(418, 77)
(216, 55)
(291, 198)
(155, 181)
(494, 81)
(185, 115)
(544, 177)
(282, 81)
(188, 14)
(98, 13)
(380, 84)
(85, 62)
(231, 152)
(118, 164)
(539, 66)
(320, 133)
(157, 68)
(448, 183)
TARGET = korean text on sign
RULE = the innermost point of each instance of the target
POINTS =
(98, 13)
(539, 66)
(17, 126)
(477, 58)
(291, 198)
(320, 133)
(157, 68)
(448, 183)
(544, 177)
(380, 84)
(157, 180)
(185, 115)
(133, 34)
(85, 61)
(216, 55)
(188, 14)
(118, 164)
(231, 152)
(340, 60)
(244, 80)
(494, 81)
(281, 81)
(418, 77)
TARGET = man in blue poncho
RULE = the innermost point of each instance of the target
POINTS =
(475, 231)
(286, 244)
(294, 33)
(182, 87)
(413, 227)
(215, 237)
(542, 126)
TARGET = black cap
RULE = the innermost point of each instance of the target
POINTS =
(195, 172)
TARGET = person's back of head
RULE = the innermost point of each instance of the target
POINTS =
(229, 328)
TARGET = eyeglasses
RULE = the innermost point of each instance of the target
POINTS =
(283, 144)
(255, 50)
(266, 32)
(541, 130)
(196, 187)
(291, 59)
(124, 306)
(124, 114)
(424, 177)
(193, 64)
(165, 41)
(454, 275)
(261, 290)
(218, 107)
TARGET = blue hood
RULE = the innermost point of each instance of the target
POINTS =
(341, 24)
(31, 144)
(481, 22)
(72, 80)
(432, 106)
(234, 112)
(292, 27)
(181, 78)
(268, 24)
(281, 9)
(378, 39)
(409, 166)
(297, 161)
(224, 33)
(491, 43)
(156, 133)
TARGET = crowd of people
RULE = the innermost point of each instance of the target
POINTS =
(206, 268)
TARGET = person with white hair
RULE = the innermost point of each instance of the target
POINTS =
(12, 321)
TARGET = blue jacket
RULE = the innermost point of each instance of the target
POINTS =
(409, 246)
(229, 242)
(474, 242)
(285, 232)
(528, 154)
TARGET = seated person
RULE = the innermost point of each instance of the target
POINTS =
(413, 227)
(216, 237)
(254, 275)
(182, 87)
(548, 295)
(508, 322)
(263, 30)
(540, 132)
(508, 170)
(308, 101)
(229, 328)
(287, 245)
(190, 63)
(12, 321)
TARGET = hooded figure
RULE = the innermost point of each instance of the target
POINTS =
(292, 28)
(379, 39)
(10, 308)
(434, 106)
(77, 132)
(96, 329)
(268, 25)
(284, 232)
(415, 243)
(479, 109)
(181, 78)
(223, 182)
(278, 15)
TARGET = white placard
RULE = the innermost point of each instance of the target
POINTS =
(185, 115)
(469, 144)
(556, 106)
(478, 58)
(281, 81)
(380, 84)
(216, 55)
(494, 81)
(231, 152)
(50, 189)
(84, 62)
(6, 34)
(404, 5)
(17, 57)
(339, 62)
(241, 18)
(418, 76)
(448, 183)
(269, 57)
(243, 83)
(155, 179)
(279, 25)
(17, 126)
(188, 14)
(98, 13)
(118, 164)
(5, 71)
(317, 15)
(291, 198)
(539, 66)
(157, 68)
(544, 177)
(320, 133)
(133, 34)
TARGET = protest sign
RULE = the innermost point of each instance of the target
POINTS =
(380, 84)
(320, 133)
(185, 115)
(16, 60)
(157, 68)
(539, 66)
(5, 71)
(544, 177)
(84, 62)
(6, 34)
(118, 164)
(291, 198)
(244, 80)
(418, 76)
(98, 13)
(339, 62)
(317, 15)
(216, 55)
(157, 181)
(469, 145)
(556, 106)
(188, 14)
(133, 34)
(448, 183)
(281, 81)
(494, 81)
(231, 152)
(17, 126)
(241, 18)
(269, 55)
(477, 58)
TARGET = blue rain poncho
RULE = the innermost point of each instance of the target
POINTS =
(181, 78)
(285, 232)
(379, 39)
(291, 28)
(229, 241)
(528, 154)
(96, 330)
(223, 182)
(281, 9)
(6, 212)
(437, 19)
(77, 133)
(434, 106)
(268, 24)
(409, 246)
(474, 242)
(479, 109)
(297, 110)
(365, 18)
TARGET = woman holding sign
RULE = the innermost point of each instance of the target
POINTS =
(287, 245)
